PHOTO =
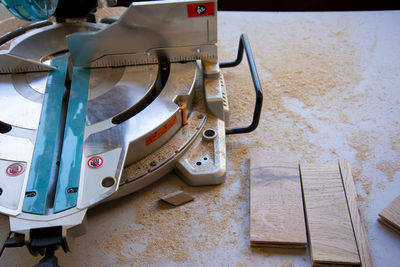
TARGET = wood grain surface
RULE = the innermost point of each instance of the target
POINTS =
(330, 229)
(391, 215)
(358, 225)
(177, 198)
(276, 206)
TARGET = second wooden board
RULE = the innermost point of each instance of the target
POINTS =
(358, 225)
(330, 229)
(276, 206)
(391, 215)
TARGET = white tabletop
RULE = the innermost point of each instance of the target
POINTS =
(331, 90)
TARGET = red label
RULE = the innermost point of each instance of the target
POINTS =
(95, 162)
(201, 9)
(14, 169)
(160, 132)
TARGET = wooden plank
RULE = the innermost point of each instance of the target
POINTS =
(330, 229)
(177, 198)
(276, 206)
(358, 225)
(390, 216)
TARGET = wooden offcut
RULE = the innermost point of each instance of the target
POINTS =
(390, 216)
(177, 198)
(358, 225)
(330, 230)
(276, 206)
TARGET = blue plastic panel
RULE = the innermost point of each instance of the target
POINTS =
(45, 152)
(71, 156)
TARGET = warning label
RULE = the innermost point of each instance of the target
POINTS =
(15, 169)
(95, 162)
(160, 132)
(202, 9)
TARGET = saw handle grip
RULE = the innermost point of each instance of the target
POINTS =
(245, 45)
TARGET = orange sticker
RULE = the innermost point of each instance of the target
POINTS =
(160, 132)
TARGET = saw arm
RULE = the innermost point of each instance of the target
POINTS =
(150, 32)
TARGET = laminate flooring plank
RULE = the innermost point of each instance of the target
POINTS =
(276, 205)
(391, 215)
(354, 209)
(330, 230)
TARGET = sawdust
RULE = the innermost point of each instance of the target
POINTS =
(306, 69)
(389, 168)
(361, 143)
(241, 264)
(366, 185)
(395, 144)
(168, 231)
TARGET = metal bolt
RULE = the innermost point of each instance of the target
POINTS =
(153, 164)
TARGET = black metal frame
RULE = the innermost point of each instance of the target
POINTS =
(245, 45)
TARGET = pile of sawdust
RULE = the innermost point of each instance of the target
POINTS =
(167, 234)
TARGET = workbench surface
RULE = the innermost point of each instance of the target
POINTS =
(331, 86)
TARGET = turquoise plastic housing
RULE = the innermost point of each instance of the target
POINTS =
(31, 10)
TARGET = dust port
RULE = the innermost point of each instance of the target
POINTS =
(209, 135)
(108, 182)
(5, 127)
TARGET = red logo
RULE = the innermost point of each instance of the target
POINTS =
(14, 169)
(202, 9)
(95, 162)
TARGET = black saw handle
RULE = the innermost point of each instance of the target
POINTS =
(245, 45)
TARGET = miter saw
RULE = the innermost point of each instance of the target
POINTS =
(90, 112)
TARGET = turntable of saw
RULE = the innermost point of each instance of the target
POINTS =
(90, 112)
